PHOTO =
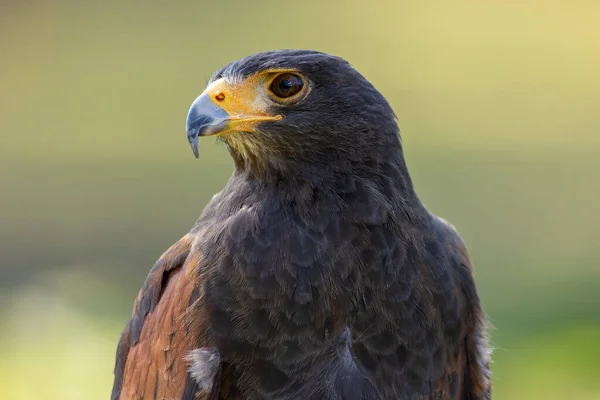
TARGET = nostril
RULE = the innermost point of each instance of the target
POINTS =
(220, 97)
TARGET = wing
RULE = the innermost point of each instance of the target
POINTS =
(467, 375)
(420, 330)
(150, 360)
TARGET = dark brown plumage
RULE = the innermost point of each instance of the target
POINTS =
(316, 273)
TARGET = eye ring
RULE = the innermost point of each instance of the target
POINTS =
(286, 85)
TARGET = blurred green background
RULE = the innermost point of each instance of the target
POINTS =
(499, 107)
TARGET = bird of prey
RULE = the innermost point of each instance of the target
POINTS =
(316, 273)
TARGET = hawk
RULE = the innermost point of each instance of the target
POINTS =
(316, 273)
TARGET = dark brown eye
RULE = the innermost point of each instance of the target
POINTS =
(286, 85)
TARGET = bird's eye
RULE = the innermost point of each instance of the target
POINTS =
(286, 85)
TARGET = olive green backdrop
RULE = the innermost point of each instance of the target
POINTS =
(498, 102)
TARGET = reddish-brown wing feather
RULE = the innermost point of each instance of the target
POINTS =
(150, 357)
(468, 374)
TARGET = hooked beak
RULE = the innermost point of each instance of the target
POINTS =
(224, 108)
(205, 118)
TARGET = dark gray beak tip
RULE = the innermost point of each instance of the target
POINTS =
(196, 125)
(193, 139)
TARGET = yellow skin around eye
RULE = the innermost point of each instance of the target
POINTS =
(247, 102)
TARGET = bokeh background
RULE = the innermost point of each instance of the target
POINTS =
(499, 107)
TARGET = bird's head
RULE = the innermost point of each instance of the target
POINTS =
(285, 110)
